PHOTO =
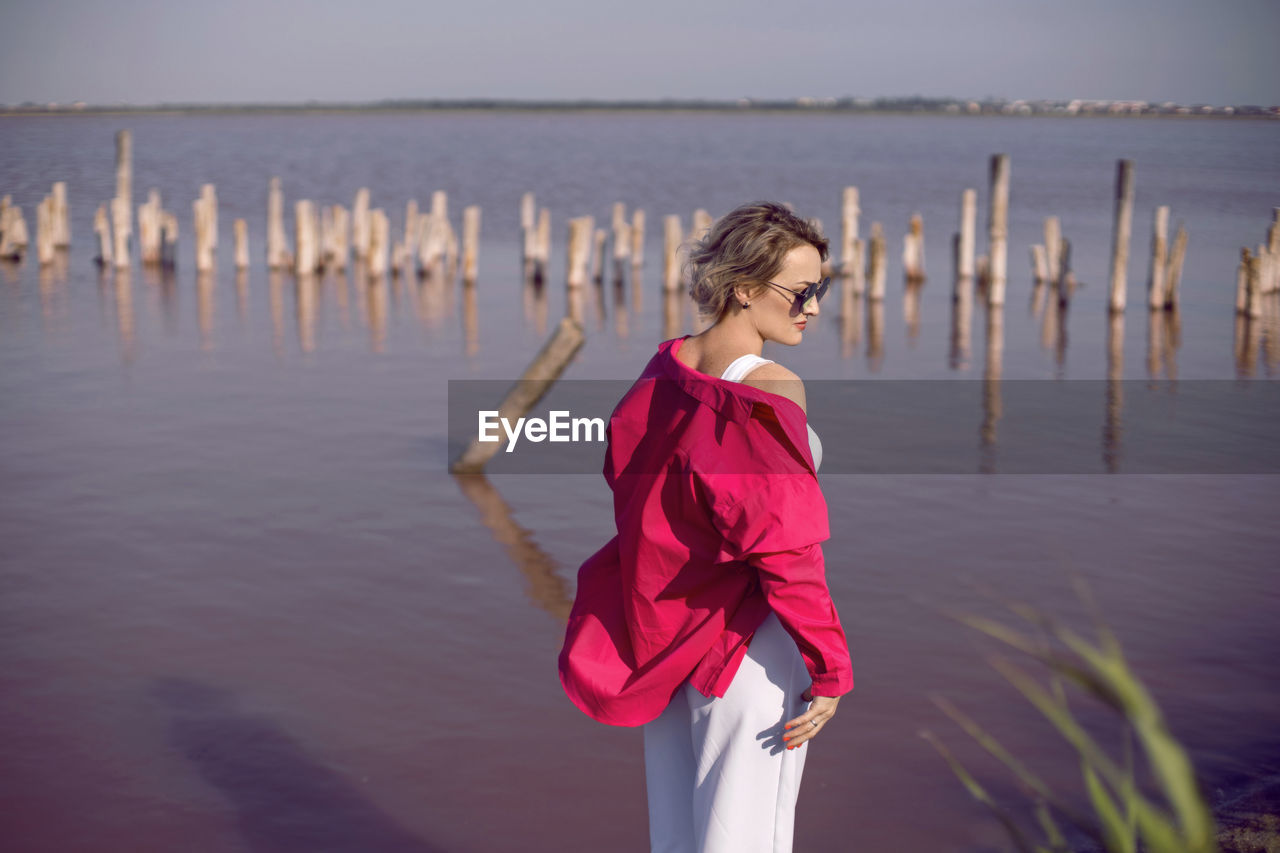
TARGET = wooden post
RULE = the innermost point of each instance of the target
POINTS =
(913, 249)
(581, 231)
(277, 243)
(544, 240)
(849, 212)
(968, 233)
(876, 263)
(203, 231)
(597, 255)
(637, 238)
(470, 243)
(240, 228)
(1120, 234)
(1159, 257)
(340, 234)
(621, 234)
(210, 197)
(121, 229)
(61, 217)
(409, 248)
(102, 230)
(379, 242)
(1052, 248)
(529, 231)
(1253, 305)
(1173, 274)
(124, 174)
(45, 251)
(168, 240)
(305, 258)
(699, 225)
(360, 224)
(1273, 248)
(998, 230)
(1242, 282)
(1040, 263)
(149, 229)
(671, 252)
(14, 240)
(536, 381)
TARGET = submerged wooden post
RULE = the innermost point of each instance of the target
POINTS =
(45, 251)
(597, 255)
(61, 216)
(544, 240)
(121, 229)
(849, 212)
(1039, 263)
(306, 257)
(203, 216)
(360, 224)
(379, 242)
(1120, 233)
(537, 379)
(240, 229)
(1159, 256)
(470, 243)
(637, 238)
(968, 233)
(340, 238)
(102, 231)
(673, 236)
(210, 197)
(277, 244)
(1174, 272)
(699, 225)
(168, 240)
(581, 231)
(149, 229)
(876, 263)
(913, 249)
(621, 234)
(998, 230)
(124, 173)
(1052, 248)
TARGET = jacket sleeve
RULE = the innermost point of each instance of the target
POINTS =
(775, 524)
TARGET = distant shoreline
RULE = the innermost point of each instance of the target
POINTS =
(882, 106)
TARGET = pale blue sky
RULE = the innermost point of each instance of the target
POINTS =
(153, 51)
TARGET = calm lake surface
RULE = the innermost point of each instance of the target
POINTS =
(244, 607)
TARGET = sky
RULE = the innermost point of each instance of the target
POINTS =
(272, 51)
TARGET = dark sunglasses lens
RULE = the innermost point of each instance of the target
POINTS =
(814, 291)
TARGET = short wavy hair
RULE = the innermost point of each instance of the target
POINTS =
(747, 245)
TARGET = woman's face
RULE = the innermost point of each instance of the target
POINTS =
(775, 312)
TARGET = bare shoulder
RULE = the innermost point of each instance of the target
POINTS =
(776, 379)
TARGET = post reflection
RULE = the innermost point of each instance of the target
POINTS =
(545, 586)
(205, 285)
(305, 311)
(911, 308)
(470, 319)
(961, 324)
(1113, 423)
(875, 334)
(375, 297)
(124, 313)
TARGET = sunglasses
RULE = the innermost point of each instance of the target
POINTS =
(815, 291)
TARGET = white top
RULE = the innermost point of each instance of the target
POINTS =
(738, 370)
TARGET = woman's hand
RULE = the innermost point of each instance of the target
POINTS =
(808, 724)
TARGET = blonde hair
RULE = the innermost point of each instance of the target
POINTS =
(747, 245)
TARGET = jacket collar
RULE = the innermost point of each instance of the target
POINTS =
(735, 400)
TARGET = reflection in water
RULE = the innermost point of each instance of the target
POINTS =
(340, 284)
(205, 285)
(1271, 330)
(1113, 423)
(850, 323)
(911, 308)
(242, 295)
(992, 404)
(535, 305)
(124, 313)
(574, 296)
(275, 299)
(597, 298)
(875, 334)
(546, 588)
(286, 801)
(305, 310)
(470, 318)
(376, 297)
(621, 327)
(1248, 334)
(52, 278)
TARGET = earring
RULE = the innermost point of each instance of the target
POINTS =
(746, 305)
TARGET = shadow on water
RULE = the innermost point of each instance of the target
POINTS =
(286, 800)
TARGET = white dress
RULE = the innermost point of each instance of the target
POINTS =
(738, 370)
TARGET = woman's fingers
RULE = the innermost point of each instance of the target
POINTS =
(800, 730)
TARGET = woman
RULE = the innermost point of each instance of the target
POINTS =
(707, 619)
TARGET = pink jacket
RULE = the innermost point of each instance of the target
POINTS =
(719, 517)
